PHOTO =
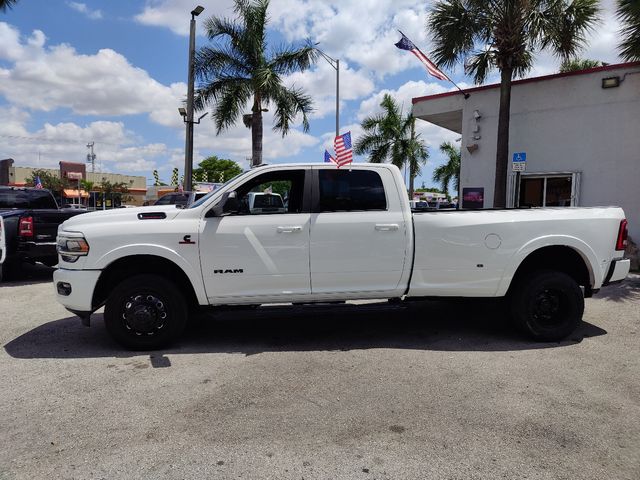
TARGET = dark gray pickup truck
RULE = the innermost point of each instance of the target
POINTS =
(29, 219)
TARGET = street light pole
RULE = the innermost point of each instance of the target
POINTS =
(335, 63)
(188, 154)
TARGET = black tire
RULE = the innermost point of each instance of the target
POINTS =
(547, 306)
(7, 270)
(146, 312)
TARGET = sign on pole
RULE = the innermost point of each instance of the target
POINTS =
(519, 162)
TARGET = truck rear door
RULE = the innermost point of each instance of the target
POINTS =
(359, 234)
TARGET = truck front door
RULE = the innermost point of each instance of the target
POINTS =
(260, 254)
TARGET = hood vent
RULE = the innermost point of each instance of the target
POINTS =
(152, 216)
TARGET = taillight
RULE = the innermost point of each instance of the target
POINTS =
(25, 228)
(621, 243)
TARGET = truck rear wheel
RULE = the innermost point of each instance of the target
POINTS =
(547, 305)
(145, 312)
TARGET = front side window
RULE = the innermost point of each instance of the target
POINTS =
(355, 190)
(272, 192)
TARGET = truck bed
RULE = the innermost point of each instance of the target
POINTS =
(476, 252)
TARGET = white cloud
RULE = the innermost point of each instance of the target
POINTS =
(175, 14)
(105, 83)
(235, 143)
(82, 8)
(364, 36)
(320, 83)
(66, 141)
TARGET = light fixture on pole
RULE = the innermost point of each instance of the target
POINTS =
(335, 63)
(188, 114)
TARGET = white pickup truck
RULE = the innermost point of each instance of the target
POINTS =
(346, 234)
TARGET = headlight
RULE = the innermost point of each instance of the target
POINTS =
(70, 248)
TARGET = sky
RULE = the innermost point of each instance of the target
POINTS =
(115, 72)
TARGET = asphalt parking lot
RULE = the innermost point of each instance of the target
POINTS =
(374, 391)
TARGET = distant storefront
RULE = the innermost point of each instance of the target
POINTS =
(76, 173)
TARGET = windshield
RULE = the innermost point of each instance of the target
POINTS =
(206, 197)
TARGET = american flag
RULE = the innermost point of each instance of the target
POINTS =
(344, 152)
(38, 182)
(328, 158)
(406, 44)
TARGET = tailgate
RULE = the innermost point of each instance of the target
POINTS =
(46, 222)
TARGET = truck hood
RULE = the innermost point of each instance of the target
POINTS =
(116, 215)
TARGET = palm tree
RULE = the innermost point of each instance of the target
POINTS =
(7, 4)
(576, 64)
(239, 70)
(628, 12)
(505, 34)
(450, 171)
(390, 136)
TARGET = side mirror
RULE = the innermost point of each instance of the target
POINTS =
(227, 205)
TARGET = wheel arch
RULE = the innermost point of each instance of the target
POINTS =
(567, 254)
(134, 264)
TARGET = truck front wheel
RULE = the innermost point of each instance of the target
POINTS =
(145, 312)
(547, 305)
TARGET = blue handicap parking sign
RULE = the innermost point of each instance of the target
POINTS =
(520, 157)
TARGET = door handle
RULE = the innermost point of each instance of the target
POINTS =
(291, 229)
(387, 227)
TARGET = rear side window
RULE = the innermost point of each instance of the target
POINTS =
(355, 190)
(28, 199)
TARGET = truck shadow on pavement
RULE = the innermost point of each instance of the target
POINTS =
(433, 325)
(626, 291)
(28, 274)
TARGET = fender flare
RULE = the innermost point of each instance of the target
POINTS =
(159, 251)
(580, 247)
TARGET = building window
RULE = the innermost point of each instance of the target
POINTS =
(548, 190)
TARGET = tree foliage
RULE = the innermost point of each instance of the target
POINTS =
(449, 172)
(239, 71)
(505, 35)
(628, 12)
(217, 169)
(49, 180)
(389, 137)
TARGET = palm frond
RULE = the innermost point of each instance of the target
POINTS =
(7, 4)
(290, 59)
(290, 103)
(210, 63)
(480, 64)
(569, 24)
(628, 13)
(453, 29)
(217, 27)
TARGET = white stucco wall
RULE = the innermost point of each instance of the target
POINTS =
(564, 124)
